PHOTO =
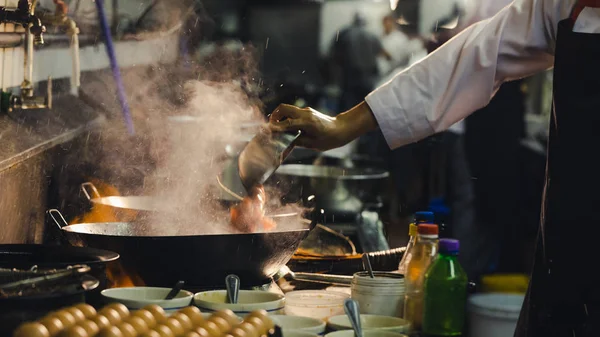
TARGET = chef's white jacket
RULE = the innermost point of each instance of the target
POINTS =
(461, 76)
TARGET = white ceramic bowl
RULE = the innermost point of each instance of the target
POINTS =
(371, 322)
(136, 298)
(366, 333)
(297, 323)
(248, 301)
(315, 303)
(299, 333)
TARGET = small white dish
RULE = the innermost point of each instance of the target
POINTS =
(371, 322)
(366, 333)
(298, 323)
(248, 301)
(135, 298)
(297, 333)
(315, 303)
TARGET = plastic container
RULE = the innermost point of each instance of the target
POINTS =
(425, 251)
(493, 315)
(419, 218)
(445, 293)
(381, 295)
(319, 304)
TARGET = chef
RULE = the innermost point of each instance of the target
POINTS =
(460, 77)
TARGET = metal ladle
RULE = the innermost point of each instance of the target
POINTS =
(352, 311)
(232, 284)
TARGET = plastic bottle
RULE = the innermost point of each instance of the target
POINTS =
(445, 290)
(425, 251)
(419, 217)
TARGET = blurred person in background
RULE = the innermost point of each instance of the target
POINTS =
(354, 54)
(403, 49)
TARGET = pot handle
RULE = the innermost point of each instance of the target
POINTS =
(323, 278)
(92, 188)
(54, 214)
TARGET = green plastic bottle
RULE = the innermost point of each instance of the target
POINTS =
(445, 293)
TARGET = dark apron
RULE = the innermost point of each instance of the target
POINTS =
(564, 294)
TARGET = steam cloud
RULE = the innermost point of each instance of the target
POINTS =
(183, 127)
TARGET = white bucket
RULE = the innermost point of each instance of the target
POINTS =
(494, 314)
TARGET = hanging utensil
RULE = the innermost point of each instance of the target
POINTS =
(176, 289)
(367, 264)
(352, 311)
(232, 283)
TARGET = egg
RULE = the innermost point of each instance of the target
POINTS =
(150, 333)
(237, 332)
(184, 320)
(138, 323)
(212, 328)
(227, 315)
(77, 314)
(101, 321)
(120, 308)
(194, 315)
(175, 326)
(157, 311)
(53, 324)
(191, 334)
(127, 329)
(201, 332)
(164, 331)
(223, 325)
(74, 331)
(31, 330)
(113, 316)
(249, 329)
(146, 316)
(65, 317)
(87, 310)
(258, 324)
(264, 317)
(111, 331)
(90, 326)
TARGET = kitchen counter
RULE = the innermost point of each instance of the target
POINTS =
(27, 133)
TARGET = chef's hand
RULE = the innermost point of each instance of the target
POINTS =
(322, 132)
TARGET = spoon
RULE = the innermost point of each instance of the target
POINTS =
(176, 289)
(232, 283)
(367, 264)
(352, 311)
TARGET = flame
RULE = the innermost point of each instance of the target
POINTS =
(118, 277)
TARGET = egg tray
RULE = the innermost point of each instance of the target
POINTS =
(116, 320)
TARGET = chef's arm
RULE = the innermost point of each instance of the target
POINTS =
(462, 75)
(450, 83)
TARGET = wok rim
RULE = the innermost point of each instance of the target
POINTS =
(71, 229)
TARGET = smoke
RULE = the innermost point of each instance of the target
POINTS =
(185, 119)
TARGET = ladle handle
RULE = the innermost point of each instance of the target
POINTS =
(352, 311)
(62, 223)
(367, 265)
(232, 283)
(93, 189)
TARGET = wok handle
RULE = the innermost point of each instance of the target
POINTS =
(323, 278)
(54, 214)
(92, 188)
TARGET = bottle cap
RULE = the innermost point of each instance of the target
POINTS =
(421, 217)
(428, 229)
(412, 230)
(449, 246)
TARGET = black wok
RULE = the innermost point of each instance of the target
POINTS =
(202, 261)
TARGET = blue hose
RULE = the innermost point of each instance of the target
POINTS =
(110, 50)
